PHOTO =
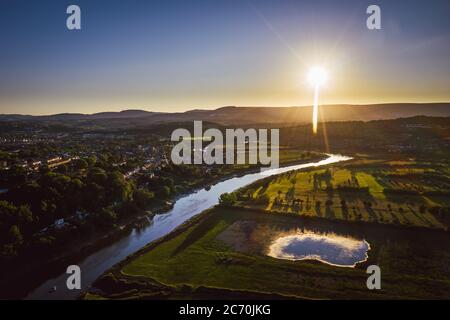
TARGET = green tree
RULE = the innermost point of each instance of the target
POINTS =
(24, 214)
(163, 192)
(98, 176)
(80, 164)
(143, 198)
(106, 217)
(227, 199)
(15, 236)
(118, 188)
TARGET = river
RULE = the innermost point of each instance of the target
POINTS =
(184, 208)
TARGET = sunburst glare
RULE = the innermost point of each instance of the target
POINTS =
(317, 77)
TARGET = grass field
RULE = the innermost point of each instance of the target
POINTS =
(199, 257)
(377, 191)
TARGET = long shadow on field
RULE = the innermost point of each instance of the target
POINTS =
(199, 231)
(329, 212)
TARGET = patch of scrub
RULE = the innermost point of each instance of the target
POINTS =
(336, 250)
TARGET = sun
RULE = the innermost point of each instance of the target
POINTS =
(317, 76)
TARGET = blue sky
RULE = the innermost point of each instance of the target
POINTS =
(176, 55)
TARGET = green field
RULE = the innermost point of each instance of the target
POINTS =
(198, 258)
(387, 192)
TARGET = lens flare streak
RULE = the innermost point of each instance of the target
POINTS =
(317, 76)
(315, 108)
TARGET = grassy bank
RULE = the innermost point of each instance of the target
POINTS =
(198, 256)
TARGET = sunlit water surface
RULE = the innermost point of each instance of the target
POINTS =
(333, 249)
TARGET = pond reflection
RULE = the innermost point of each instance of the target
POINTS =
(333, 249)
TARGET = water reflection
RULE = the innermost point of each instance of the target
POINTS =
(337, 250)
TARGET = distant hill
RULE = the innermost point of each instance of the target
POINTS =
(122, 114)
(232, 115)
(126, 114)
(248, 115)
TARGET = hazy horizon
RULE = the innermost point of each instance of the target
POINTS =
(228, 106)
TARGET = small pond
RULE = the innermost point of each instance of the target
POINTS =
(333, 249)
